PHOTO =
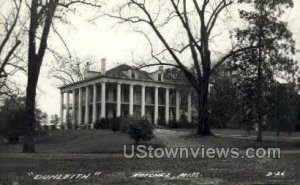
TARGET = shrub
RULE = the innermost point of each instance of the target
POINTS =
(53, 127)
(12, 124)
(183, 123)
(173, 124)
(140, 129)
(161, 122)
(40, 131)
(103, 123)
(125, 123)
(115, 124)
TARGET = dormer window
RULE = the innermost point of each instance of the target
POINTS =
(133, 75)
(159, 77)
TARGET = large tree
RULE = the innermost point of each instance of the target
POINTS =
(9, 43)
(42, 13)
(259, 67)
(197, 20)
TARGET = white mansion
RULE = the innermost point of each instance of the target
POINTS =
(120, 92)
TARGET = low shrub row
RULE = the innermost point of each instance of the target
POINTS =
(139, 129)
(182, 123)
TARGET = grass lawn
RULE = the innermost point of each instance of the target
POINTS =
(118, 170)
(87, 151)
(243, 143)
(78, 141)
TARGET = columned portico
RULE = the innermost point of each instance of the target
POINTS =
(108, 97)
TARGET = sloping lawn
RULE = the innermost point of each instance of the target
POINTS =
(78, 141)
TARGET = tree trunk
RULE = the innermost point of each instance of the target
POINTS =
(33, 73)
(34, 65)
(259, 98)
(28, 146)
(203, 124)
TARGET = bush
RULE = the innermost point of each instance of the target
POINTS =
(183, 123)
(12, 124)
(103, 123)
(161, 122)
(115, 124)
(125, 124)
(140, 129)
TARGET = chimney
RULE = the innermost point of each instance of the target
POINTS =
(103, 65)
(161, 68)
(86, 69)
(87, 66)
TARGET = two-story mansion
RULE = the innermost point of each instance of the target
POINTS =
(120, 92)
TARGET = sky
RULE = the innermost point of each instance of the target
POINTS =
(118, 44)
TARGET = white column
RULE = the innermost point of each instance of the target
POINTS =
(167, 108)
(155, 105)
(68, 110)
(79, 122)
(103, 91)
(61, 108)
(189, 117)
(177, 105)
(131, 100)
(118, 100)
(143, 101)
(87, 110)
(73, 108)
(94, 105)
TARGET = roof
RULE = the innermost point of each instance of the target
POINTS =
(121, 72)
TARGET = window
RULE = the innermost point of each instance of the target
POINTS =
(159, 77)
(133, 74)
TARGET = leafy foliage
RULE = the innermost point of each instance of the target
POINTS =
(259, 67)
(12, 115)
(140, 129)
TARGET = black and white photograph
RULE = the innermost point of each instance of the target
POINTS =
(130, 92)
